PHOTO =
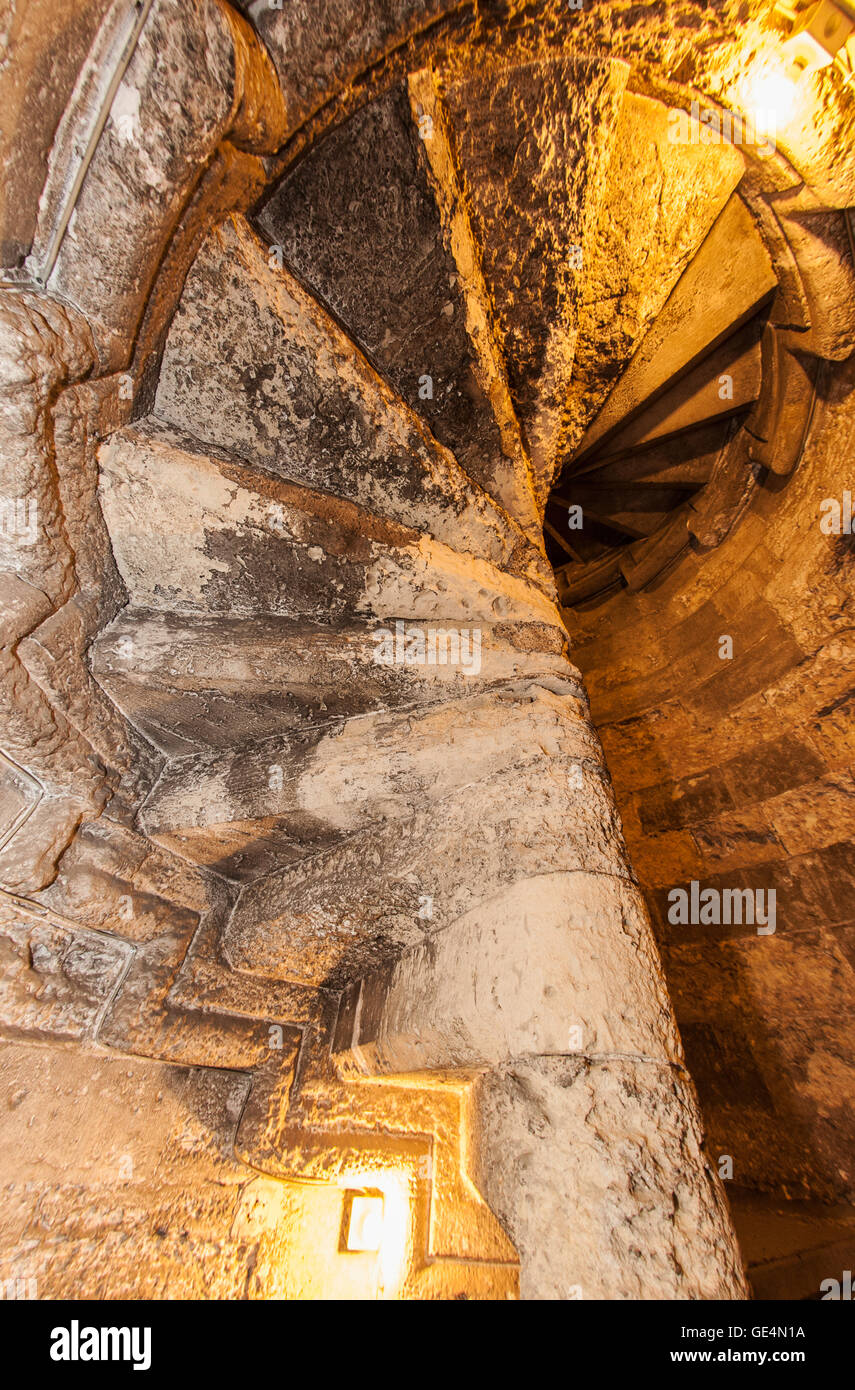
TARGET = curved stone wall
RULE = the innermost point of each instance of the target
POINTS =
(735, 771)
(113, 941)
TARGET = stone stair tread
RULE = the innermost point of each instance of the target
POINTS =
(357, 220)
(359, 903)
(253, 364)
(189, 681)
(658, 207)
(313, 787)
(684, 460)
(727, 283)
(696, 399)
(532, 143)
(197, 533)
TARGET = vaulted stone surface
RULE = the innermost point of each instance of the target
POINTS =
(358, 222)
(532, 144)
(298, 909)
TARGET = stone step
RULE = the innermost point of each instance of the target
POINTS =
(195, 533)
(531, 144)
(633, 522)
(727, 283)
(501, 982)
(602, 494)
(685, 460)
(580, 581)
(187, 682)
(641, 563)
(336, 915)
(359, 223)
(726, 383)
(661, 201)
(254, 365)
(245, 811)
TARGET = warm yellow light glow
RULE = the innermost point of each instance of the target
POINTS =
(769, 97)
(365, 1230)
(380, 1205)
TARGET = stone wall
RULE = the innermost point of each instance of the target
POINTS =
(175, 1124)
(737, 772)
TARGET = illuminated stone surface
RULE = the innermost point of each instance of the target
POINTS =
(276, 910)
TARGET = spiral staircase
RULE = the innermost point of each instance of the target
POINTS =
(364, 397)
(492, 346)
(361, 389)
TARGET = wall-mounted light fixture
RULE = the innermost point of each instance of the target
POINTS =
(820, 34)
(362, 1224)
(376, 1228)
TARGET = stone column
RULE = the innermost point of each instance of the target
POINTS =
(585, 1136)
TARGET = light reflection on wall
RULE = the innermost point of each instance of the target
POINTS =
(314, 1260)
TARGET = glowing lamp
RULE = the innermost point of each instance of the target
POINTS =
(769, 95)
(363, 1221)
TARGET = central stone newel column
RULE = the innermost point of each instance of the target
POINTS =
(585, 1133)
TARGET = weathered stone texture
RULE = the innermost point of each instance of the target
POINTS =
(293, 393)
(43, 44)
(123, 1183)
(652, 221)
(197, 76)
(359, 224)
(223, 681)
(626, 1206)
(392, 885)
(306, 793)
(445, 850)
(250, 543)
(558, 964)
(533, 145)
(56, 982)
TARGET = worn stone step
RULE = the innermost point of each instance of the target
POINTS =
(579, 581)
(644, 561)
(193, 681)
(244, 811)
(335, 915)
(358, 220)
(727, 283)
(255, 365)
(532, 144)
(684, 460)
(632, 522)
(502, 981)
(724, 384)
(602, 494)
(196, 533)
(661, 200)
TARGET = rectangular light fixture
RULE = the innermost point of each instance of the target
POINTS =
(362, 1225)
(818, 36)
